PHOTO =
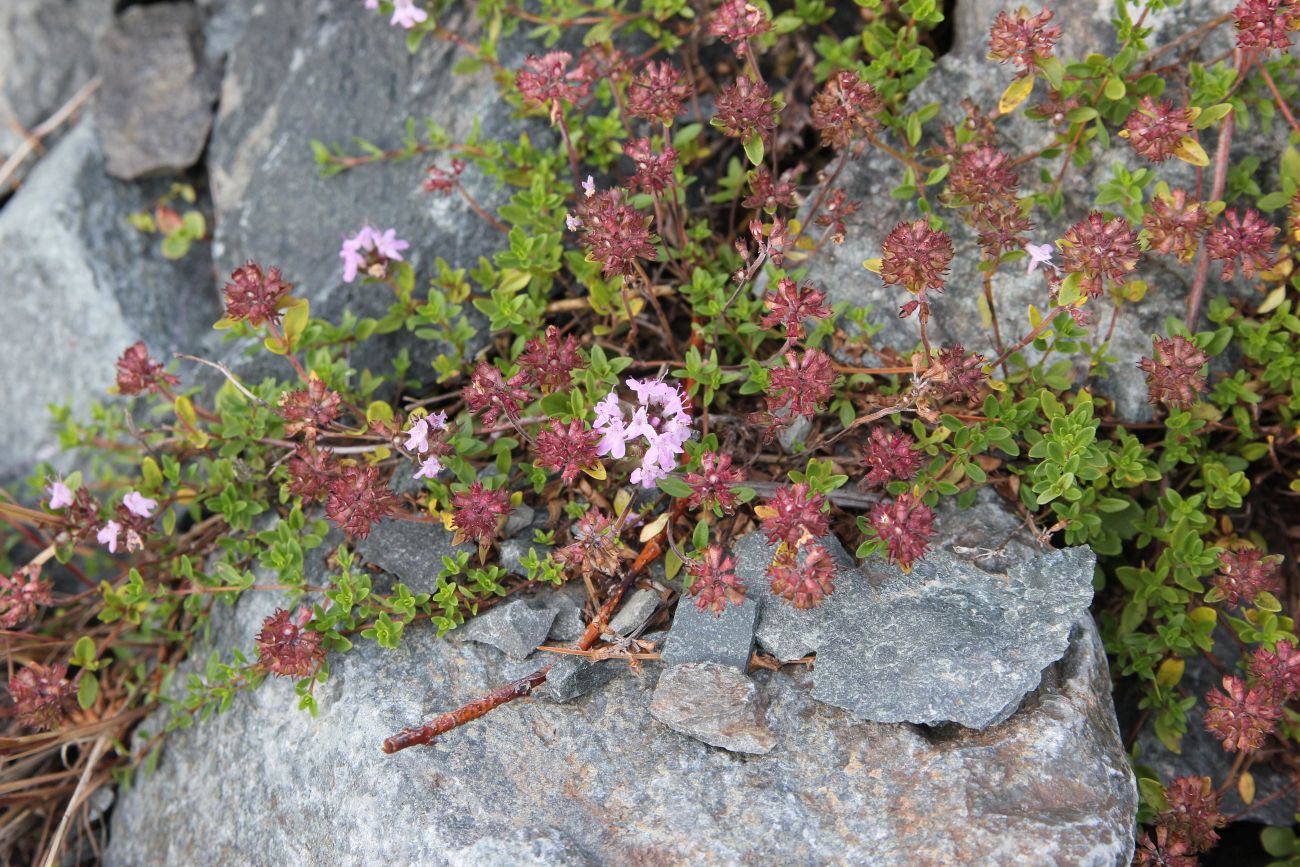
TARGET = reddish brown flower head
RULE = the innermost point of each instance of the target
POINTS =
(616, 234)
(1022, 38)
(477, 513)
(286, 648)
(657, 92)
(490, 395)
(1248, 238)
(309, 410)
(711, 486)
(1266, 24)
(595, 546)
(254, 296)
(548, 361)
(1239, 717)
(20, 596)
(1001, 227)
(1174, 225)
(845, 107)
(745, 109)
(1279, 671)
(962, 376)
(736, 22)
(982, 176)
(445, 181)
(791, 303)
(1174, 373)
(603, 62)
(836, 209)
(137, 372)
(1100, 249)
(802, 386)
(1156, 130)
(768, 193)
(1193, 812)
(794, 512)
(654, 172)
(715, 585)
(567, 450)
(906, 526)
(42, 695)
(1164, 851)
(1055, 109)
(804, 584)
(81, 519)
(547, 81)
(1245, 572)
(357, 500)
(916, 257)
(890, 455)
(310, 473)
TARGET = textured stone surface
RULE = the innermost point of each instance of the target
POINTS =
(712, 703)
(598, 779)
(515, 628)
(45, 58)
(156, 100)
(77, 286)
(411, 550)
(699, 636)
(637, 608)
(567, 602)
(574, 676)
(786, 632)
(284, 85)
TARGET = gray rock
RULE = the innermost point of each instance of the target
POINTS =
(949, 642)
(567, 603)
(715, 704)
(45, 58)
(411, 550)
(156, 102)
(699, 636)
(78, 285)
(284, 86)
(520, 518)
(793, 434)
(786, 632)
(1049, 786)
(515, 628)
(531, 847)
(637, 608)
(574, 676)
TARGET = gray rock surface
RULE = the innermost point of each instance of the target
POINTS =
(715, 704)
(284, 85)
(45, 58)
(599, 781)
(786, 632)
(411, 550)
(574, 676)
(78, 285)
(515, 628)
(566, 602)
(156, 100)
(637, 608)
(699, 636)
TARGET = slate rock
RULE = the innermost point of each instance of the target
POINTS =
(156, 100)
(567, 602)
(700, 636)
(410, 550)
(601, 780)
(45, 58)
(636, 609)
(78, 285)
(529, 847)
(284, 86)
(786, 632)
(574, 676)
(715, 704)
(949, 642)
(515, 628)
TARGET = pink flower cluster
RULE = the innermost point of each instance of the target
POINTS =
(135, 505)
(417, 440)
(662, 418)
(405, 13)
(370, 249)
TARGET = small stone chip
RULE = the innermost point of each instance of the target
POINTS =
(715, 704)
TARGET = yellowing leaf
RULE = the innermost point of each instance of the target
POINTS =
(872, 265)
(986, 315)
(1246, 787)
(654, 528)
(765, 512)
(1170, 672)
(295, 322)
(1016, 93)
(1273, 300)
(1190, 151)
(596, 471)
(621, 501)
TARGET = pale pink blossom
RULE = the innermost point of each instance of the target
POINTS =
(417, 436)
(572, 222)
(60, 495)
(430, 468)
(370, 246)
(589, 186)
(1039, 254)
(660, 424)
(108, 536)
(138, 504)
(133, 541)
(406, 14)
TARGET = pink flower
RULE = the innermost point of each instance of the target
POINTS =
(370, 250)
(60, 495)
(138, 504)
(417, 436)
(406, 14)
(430, 468)
(1039, 254)
(372, 4)
(662, 420)
(572, 222)
(589, 187)
(108, 534)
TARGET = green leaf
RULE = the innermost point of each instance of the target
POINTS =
(87, 690)
(1278, 842)
(674, 487)
(754, 149)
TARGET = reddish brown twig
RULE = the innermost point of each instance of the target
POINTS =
(411, 737)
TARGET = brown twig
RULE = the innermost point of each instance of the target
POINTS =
(1216, 193)
(48, 126)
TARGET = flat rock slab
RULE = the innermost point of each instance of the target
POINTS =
(702, 636)
(715, 704)
(515, 628)
(410, 550)
(637, 608)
